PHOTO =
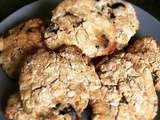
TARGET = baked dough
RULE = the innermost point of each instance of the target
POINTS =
(52, 80)
(127, 78)
(97, 27)
(147, 54)
(18, 43)
(15, 111)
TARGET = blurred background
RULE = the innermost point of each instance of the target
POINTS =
(9, 6)
(151, 6)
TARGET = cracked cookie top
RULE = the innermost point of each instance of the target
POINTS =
(52, 80)
(146, 53)
(15, 111)
(18, 43)
(127, 80)
(97, 27)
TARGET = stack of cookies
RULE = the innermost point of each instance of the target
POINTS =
(78, 60)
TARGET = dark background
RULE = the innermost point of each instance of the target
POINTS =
(151, 6)
(9, 6)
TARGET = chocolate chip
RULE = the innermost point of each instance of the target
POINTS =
(123, 100)
(58, 105)
(99, 13)
(33, 29)
(27, 61)
(155, 77)
(116, 5)
(110, 87)
(97, 0)
(105, 44)
(112, 15)
(69, 13)
(67, 110)
(53, 28)
(77, 23)
(30, 30)
(97, 46)
(105, 41)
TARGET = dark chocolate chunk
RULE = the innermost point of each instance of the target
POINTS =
(53, 28)
(123, 100)
(99, 13)
(155, 77)
(105, 41)
(30, 30)
(110, 87)
(112, 15)
(97, 46)
(78, 23)
(68, 13)
(33, 29)
(117, 5)
(69, 110)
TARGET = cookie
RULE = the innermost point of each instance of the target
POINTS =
(59, 80)
(147, 54)
(15, 111)
(97, 27)
(18, 43)
(128, 90)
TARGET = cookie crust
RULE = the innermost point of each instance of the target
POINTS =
(65, 79)
(96, 27)
(20, 42)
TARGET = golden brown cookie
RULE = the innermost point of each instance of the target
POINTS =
(128, 89)
(147, 54)
(52, 80)
(20, 42)
(15, 111)
(97, 27)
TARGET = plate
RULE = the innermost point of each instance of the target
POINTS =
(148, 26)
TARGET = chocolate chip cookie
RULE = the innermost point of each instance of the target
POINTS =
(97, 27)
(18, 43)
(146, 53)
(128, 90)
(59, 80)
(15, 111)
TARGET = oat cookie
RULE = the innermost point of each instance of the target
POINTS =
(97, 27)
(147, 54)
(18, 43)
(59, 80)
(128, 90)
(15, 111)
